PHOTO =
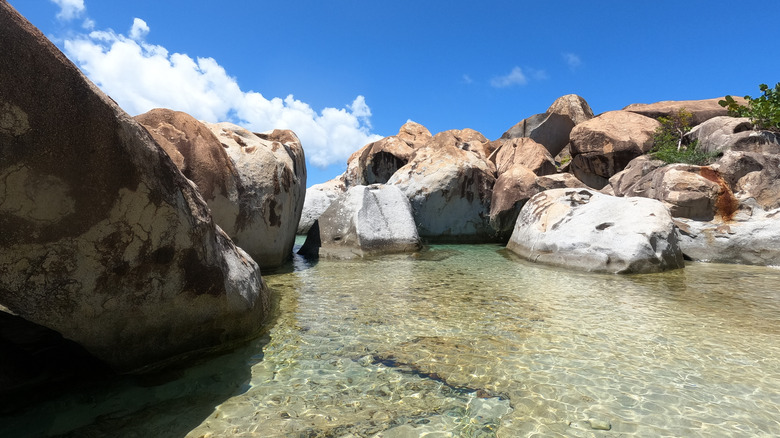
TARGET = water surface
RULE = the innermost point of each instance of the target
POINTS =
(468, 341)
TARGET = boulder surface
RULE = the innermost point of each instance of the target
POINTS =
(449, 183)
(104, 240)
(368, 220)
(587, 230)
(604, 145)
(272, 172)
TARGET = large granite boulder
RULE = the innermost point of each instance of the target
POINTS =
(272, 172)
(368, 220)
(724, 133)
(752, 175)
(753, 238)
(525, 152)
(701, 110)
(200, 156)
(694, 192)
(604, 145)
(587, 230)
(103, 239)
(318, 199)
(376, 162)
(572, 106)
(552, 128)
(514, 188)
(449, 183)
(623, 181)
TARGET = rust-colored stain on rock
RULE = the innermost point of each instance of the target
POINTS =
(727, 204)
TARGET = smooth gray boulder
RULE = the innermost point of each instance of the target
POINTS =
(318, 199)
(587, 230)
(103, 239)
(368, 220)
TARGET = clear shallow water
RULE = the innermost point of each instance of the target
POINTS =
(467, 341)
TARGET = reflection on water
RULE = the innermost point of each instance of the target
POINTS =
(470, 341)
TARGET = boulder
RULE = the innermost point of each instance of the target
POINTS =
(725, 133)
(525, 152)
(376, 162)
(464, 139)
(104, 240)
(318, 199)
(414, 134)
(621, 183)
(572, 106)
(200, 156)
(584, 229)
(753, 240)
(552, 128)
(449, 185)
(701, 110)
(368, 220)
(272, 172)
(514, 188)
(695, 192)
(604, 145)
(753, 175)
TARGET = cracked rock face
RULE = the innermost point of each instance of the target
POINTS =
(587, 230)
(103, 239)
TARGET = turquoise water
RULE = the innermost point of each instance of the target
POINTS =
(467, 341)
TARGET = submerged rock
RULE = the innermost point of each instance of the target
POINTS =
(368, 220)
(587, 230)
(103, 239)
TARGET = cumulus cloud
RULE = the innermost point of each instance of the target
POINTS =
(572, 60)
(142, 76)
(515, 77)
(69, 9)
(139, 29)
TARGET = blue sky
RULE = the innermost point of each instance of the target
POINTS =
(343, 73)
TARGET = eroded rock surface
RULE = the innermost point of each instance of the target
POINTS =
(603, 146)
(701, 110)
(104, 240)
(449, 183)
(587, 230)
(272, 172)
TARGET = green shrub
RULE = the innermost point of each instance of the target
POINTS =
(671, 146)
(763, 111)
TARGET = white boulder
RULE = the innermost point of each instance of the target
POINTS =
(587, 230)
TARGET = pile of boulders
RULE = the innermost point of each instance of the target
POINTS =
(463, 187)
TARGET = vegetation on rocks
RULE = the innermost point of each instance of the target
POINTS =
(671, 145)
(763, 111)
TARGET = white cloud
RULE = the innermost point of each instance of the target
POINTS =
(466, 79)
(139, 30)
(572, 60)
(515, 77)
(69, 9)
(142, 76)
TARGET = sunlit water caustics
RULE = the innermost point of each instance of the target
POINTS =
(467, 341)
